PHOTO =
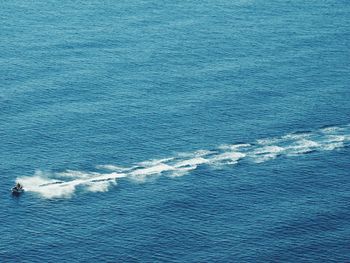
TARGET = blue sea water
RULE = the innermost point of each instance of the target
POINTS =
(175, 131)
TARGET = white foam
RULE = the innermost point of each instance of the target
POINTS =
(228, 156)
(178, 172)
(336, 138)
(52, 188)
(46, 187)
(31, 183)
(271, 149)
(266, 153)
(194, 162)
(296, 136)
(332, 146)
(77, 174)
(264, 158)
(65, 184)
(302, 146)
(202, 152)
(234, 146)
(100, 186)
(156, 169)
(267, 141)
(331, 129)
(115, 168)
(153, 162)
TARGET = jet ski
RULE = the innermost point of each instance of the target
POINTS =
(17, 189)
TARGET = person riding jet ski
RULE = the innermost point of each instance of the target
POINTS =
(18, 188)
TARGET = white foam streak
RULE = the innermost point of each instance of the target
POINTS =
(231, 157)
(302, 146)
(51, 188)
(77, 174)
(65, 184)
(234, 146)
(46, 187)
(157, 169)
(332, 129)
(115, 168)
(336, 138)
(266, 153)
(194, 162)
(268, 150)
(267, 141)
(203, 152)
(154, 162)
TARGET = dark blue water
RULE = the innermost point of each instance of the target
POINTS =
(167, 131)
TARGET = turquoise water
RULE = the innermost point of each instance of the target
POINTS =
(147, 131)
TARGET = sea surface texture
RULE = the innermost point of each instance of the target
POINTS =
(175, 131)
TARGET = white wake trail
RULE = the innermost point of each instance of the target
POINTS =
(66, 183)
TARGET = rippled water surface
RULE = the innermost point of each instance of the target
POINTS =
(167, 131)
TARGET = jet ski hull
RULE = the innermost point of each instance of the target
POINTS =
(16, 191)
